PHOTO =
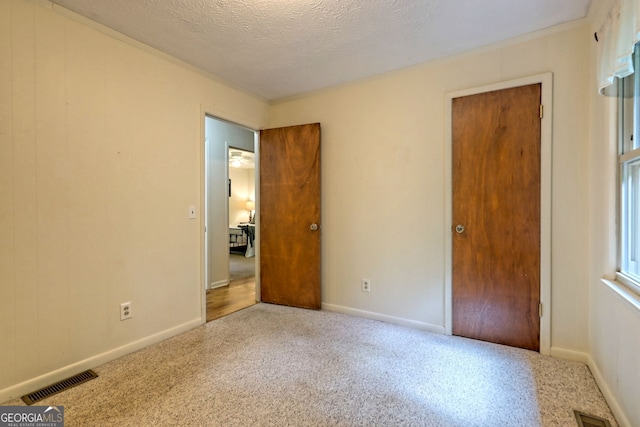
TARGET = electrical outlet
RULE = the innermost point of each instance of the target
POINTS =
(125, 311)
(366, 285)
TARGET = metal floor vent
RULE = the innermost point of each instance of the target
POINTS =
(59, 387)
(585, 420)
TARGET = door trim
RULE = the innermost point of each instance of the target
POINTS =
(546, 80)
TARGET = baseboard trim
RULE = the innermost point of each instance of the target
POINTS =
(563, 353)
(617, 410)
(218, 284)
(44, 380)
(384, 318)
(586, 358)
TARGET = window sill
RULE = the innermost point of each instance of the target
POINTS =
(623, 290)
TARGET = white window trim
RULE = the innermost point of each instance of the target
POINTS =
(625, 292)
(631, 155)
(625, 285)
(629, 282)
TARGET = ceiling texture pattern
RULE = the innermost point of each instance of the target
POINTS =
(281, 48)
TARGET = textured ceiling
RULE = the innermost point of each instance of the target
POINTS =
(280, 48)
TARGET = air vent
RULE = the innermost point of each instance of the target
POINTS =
(585, 420)
(59, 387)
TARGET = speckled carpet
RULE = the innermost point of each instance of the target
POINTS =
(278, 366)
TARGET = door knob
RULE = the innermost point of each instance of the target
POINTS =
(459, 228)
(314, 227)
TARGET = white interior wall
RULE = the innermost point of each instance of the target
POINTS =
(383, 181)
(100, 158)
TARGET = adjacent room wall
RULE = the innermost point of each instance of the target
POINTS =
(383, 148)
(101, 151)
(220, 135)
(242, 189)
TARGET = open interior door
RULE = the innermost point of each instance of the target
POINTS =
(290, 216)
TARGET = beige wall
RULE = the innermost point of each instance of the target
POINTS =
(383, 181)
(100, 157)
(614, 327)
(614, 330)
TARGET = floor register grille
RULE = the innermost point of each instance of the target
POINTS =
(585, 420)
(59, 387)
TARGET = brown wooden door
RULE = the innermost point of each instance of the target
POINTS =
(289, 212)
(496, 198)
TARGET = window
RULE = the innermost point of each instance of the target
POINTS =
(629, 107)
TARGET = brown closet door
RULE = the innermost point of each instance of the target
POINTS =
(496, 203)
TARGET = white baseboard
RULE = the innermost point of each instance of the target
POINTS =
(586, 358)
(621, 417)
(563, 353)
(384, 318)
(52, 377)
(218, 284)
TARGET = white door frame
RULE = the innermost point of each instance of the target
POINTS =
(546, 81)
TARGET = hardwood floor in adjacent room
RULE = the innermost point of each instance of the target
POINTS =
(225, 300)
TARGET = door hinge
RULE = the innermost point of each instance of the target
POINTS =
(541, 111)
(539, 309)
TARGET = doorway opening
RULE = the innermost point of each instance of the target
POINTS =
(230, 213)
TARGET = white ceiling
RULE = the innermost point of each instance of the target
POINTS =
(281, 48)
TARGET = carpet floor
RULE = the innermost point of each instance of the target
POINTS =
(241, 267)
(279, 366)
